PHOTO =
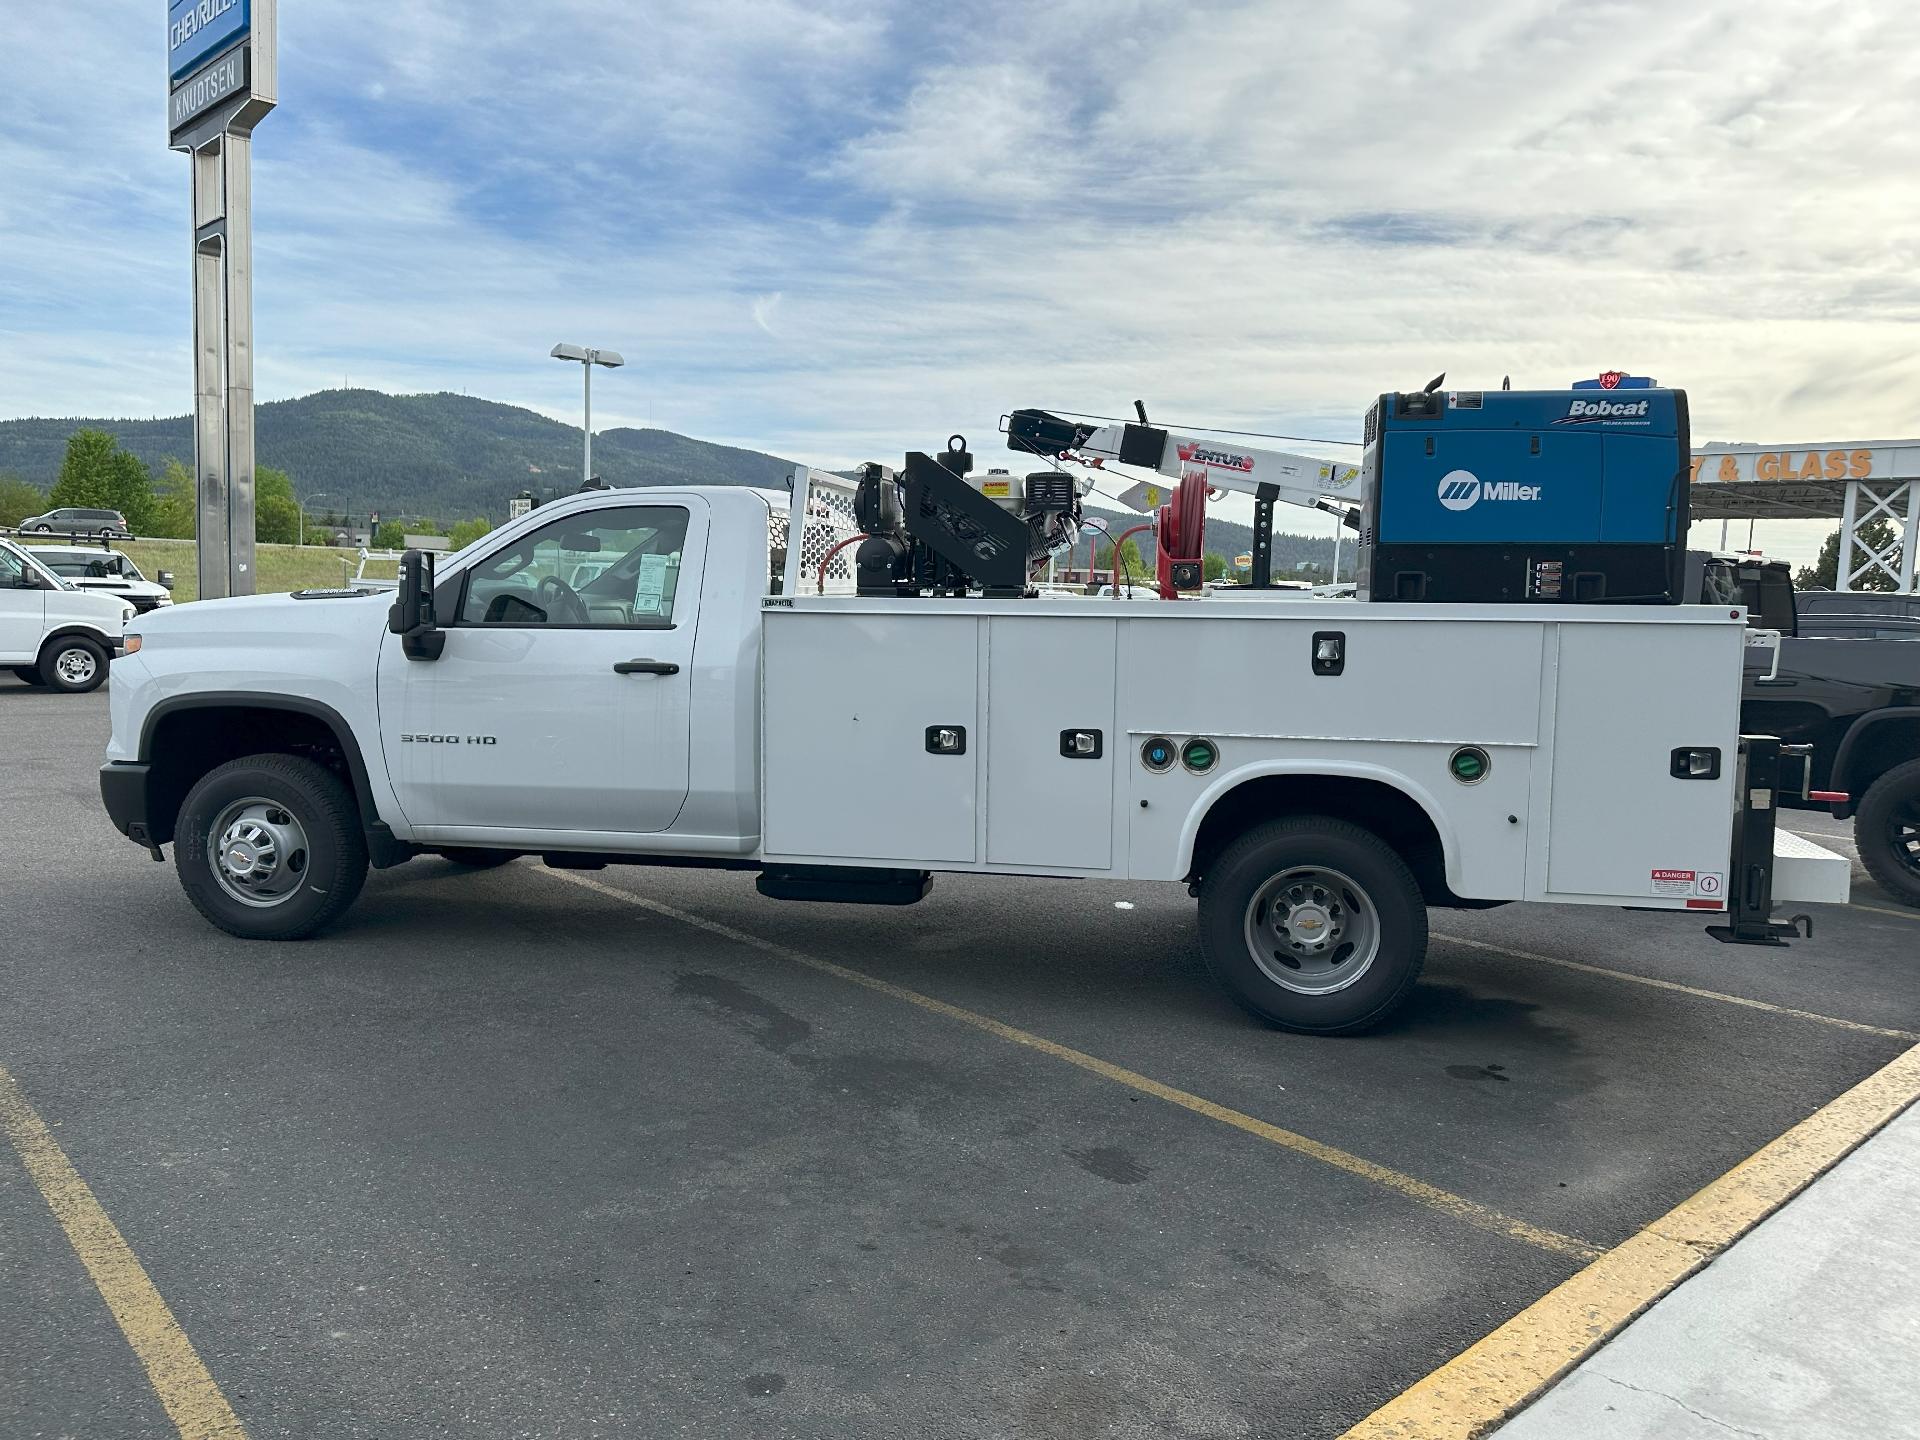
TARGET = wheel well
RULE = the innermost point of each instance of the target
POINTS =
(66, 631)
(1393, 815)
(184, 744)
(1877, 746)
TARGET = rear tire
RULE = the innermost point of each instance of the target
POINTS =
(73, 665)
(1886, 828)
(473, 857)
(27, 673)
(269, 847)
(1314, 924)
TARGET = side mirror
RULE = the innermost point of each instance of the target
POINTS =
(164, 578)
(411, 616)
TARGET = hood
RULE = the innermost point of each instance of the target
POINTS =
(251, 616)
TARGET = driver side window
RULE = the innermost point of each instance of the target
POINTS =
(618, 568)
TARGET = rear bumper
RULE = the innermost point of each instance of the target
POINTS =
(123, 789)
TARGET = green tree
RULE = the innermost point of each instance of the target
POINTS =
(1213, 567)
(97, 473)
(467, 531)
(391, 535)
(276, 514)
(18, 500)
(1824, 573)
(1130, 561)
(176, 510)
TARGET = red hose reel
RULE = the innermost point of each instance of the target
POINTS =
(1183, 523)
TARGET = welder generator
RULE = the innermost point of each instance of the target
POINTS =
(1545, 496)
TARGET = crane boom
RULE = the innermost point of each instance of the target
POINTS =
(1270, 475)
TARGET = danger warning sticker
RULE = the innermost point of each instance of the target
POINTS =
(1708, 884)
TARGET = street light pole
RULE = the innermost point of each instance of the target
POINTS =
(587, 358)
(301, 505)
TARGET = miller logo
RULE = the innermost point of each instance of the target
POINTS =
(1459, 489)
(1462, 490)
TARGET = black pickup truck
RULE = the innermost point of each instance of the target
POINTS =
(1847, 684)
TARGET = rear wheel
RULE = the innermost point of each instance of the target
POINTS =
(73, 664)
(27, 673)
(472, 857)
(269, 847)
(1887, 829)
(1314, 924)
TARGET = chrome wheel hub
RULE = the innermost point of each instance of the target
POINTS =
(75, 666)
(1312, 930)
(257, 850)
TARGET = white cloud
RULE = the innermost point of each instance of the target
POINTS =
(1247, 214)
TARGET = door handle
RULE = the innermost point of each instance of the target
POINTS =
(645, 667)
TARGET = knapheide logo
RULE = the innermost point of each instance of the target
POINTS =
(1459, 489)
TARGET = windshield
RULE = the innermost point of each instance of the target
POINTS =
(13, 559)
(109, 565)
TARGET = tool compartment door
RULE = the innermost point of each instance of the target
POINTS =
(1622, 824)
(1047, 675)
(848, 699)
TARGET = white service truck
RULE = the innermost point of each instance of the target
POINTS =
(1318, 772)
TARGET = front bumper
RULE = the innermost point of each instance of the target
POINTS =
(123, 789)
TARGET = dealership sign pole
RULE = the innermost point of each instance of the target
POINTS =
(220, 81)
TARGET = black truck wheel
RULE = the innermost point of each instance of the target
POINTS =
(28, 674)
(1314, 924)
(73, 664)
(269, 847)
(1886, 827)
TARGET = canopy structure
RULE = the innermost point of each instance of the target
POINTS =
(1855, 482)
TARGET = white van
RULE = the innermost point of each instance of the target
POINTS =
(51, 633)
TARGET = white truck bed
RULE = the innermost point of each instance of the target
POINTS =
(1578, 709)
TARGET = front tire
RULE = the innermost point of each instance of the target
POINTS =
(269, 847)
(73, 664)
(1886, 828)
(1314, 924)
(28, 674)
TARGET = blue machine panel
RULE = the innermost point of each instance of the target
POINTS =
(1526, 494)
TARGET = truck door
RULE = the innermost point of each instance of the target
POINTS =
(23, 610)
(561, 700)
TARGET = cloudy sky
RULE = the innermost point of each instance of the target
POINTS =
(839, 230)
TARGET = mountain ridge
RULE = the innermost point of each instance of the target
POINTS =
(451, 457)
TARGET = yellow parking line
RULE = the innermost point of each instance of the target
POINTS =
(1495, 1377)
(1693, 990)
(1882, 910)
(1432, 1196)
(191, 1398)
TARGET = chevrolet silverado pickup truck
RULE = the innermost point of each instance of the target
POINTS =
(660, 676)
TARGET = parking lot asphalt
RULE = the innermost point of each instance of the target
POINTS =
(509, 1154)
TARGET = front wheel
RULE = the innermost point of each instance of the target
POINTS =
(1886, 827)
(269, 847)
(28, 674)
(73, 664)
(1314, 924)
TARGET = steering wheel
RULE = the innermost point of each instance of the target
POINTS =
(558, 596)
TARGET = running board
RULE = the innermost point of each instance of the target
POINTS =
(844, 884)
